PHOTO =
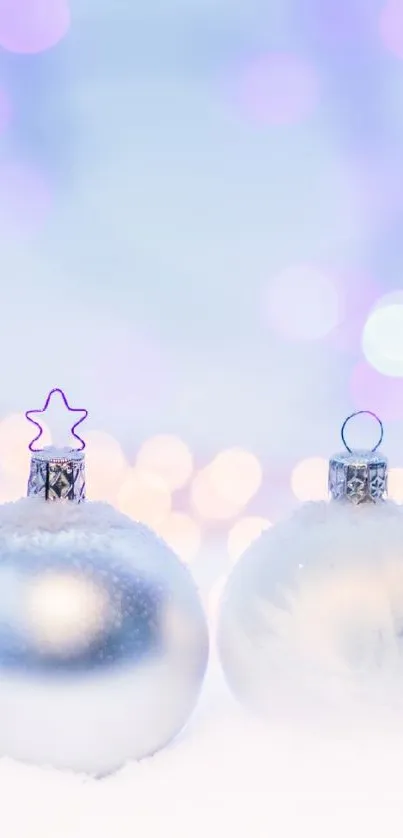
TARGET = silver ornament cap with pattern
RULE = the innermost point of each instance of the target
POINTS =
(359, 476)
(57, 474)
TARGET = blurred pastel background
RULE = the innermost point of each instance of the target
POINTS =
(201, 215)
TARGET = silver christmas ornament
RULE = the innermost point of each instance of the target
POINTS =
(103, 640)
(312, 614)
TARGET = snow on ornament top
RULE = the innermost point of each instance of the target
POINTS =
(359, 476)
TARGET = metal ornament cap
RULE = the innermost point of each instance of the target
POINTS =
(359, 476)
(57, 474)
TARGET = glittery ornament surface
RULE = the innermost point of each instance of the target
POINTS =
(315, 608)
(103, 641)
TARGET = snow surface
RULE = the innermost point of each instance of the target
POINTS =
(225, 775)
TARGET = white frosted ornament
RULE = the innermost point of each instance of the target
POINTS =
(311, 617)
(103, 640)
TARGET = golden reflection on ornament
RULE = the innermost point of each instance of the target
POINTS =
(15, 436)
(169, 458)
(179, 634)
(65, 613)
(356, 608)
(309, 479)
(181, 533)
(144, 497)
(244, 533)
(395, 484)
(106, 466)
(208, 503)
(236, 475)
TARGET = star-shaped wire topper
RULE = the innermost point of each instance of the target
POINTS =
(81, 410)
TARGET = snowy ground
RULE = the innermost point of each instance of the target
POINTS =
(225, 775)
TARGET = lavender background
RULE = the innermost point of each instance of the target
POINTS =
(201, 209)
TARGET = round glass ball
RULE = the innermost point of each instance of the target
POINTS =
(312, 614)
(103, 639)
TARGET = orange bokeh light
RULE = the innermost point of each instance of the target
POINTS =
(168, 457)
(207, 502)
(395, 484)
(243, 533)
(309, 480)
(106, 466)
(222, 489)
(236, 475)
(15, 435)
(144, 497)
(182, 533)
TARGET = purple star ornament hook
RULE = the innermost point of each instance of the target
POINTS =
(81, 410)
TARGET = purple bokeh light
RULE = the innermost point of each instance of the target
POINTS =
(391, 27)
(5, 110)
(344, 22)
(383, 394)
(278, 89)
(377, 187)
(302, 303)
(32, 26)
(358, 294)
(25, 199)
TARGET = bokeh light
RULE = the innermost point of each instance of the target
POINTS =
(169, 458)
(236, 475)
(391, 27)
(244, 533)
(382, 337)
(25, 199)
(32, 26)
(15, 435)
(302, 303)
(106, 466)
(278, 89)
(340, 24)
(207, 501)
(309, 479)
(358, 292)
(182, 533)
(5, 110)
(144, 497)
(227, 484)
(395, 484)
(383, 393)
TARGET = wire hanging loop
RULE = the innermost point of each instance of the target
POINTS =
(30, 413)
(361, 413)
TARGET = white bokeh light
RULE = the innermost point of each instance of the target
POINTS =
(302, 303)
(395, 484)
(382, 337)
(169, 458)
(106, 464)
(244, 533)
(144, 497)
(309, 479)
(182, 533)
